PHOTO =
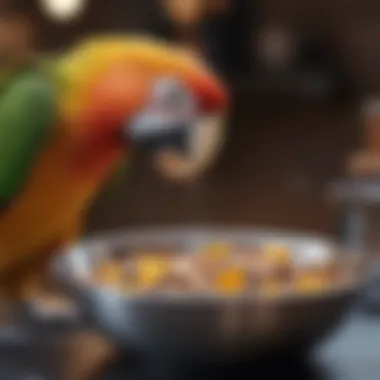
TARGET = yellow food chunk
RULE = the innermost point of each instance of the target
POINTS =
(277, 254)
(231, 281)
(151, 270)
(310, 283)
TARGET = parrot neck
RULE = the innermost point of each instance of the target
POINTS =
(94, 157)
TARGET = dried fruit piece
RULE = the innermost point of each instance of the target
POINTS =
(231, 281)
(183, 267)
(150, 270)
(277, 254)
(223, 268)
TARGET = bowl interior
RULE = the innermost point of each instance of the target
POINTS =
(80, 259)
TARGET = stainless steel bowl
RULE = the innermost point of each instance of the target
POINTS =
(203, 325)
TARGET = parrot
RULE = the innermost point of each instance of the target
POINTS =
(68, 125)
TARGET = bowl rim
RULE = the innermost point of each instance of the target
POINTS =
(209, 230)
(233, 229)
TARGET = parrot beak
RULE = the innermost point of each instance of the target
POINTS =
(204, 144)
(183, 143)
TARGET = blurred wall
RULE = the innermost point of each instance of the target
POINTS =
(351, 28)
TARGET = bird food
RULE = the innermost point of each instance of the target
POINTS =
(220, 268)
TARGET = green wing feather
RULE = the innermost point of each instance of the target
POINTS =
(27, 115)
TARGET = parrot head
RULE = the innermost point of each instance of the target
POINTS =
(140, 93)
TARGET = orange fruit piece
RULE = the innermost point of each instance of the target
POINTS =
(231, 281)
(151, 270)
(277, 254)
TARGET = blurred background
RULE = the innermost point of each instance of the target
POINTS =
(300, 73)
